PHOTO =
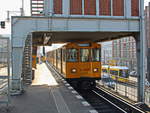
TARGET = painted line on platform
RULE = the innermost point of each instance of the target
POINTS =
(93, 111)
(85, 103)
(70, 87)
(79, 97)
(74, 92)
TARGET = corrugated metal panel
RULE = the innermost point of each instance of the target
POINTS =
(58, 6)
(76, 7)
(90, 7)
(105, 7)
(135, 7)
(118, 7)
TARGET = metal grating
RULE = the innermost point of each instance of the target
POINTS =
(4, 71)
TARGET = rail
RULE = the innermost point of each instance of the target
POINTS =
(103, 101)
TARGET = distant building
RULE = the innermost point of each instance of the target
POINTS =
(124, 52)
(106, 52)
(121, 52)
(147, 34)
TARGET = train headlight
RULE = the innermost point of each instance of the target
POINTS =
(95, 69)
(73, 70)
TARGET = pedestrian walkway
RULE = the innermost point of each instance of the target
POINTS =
(45, 95)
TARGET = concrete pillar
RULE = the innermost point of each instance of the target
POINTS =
(140, 67)
(17, 53)
(17, 58)
(97, 7)
(82, 7)
(48, 8)
(127, 8)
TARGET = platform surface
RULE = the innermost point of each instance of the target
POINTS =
(45, 95)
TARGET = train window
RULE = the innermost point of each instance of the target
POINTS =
(84, 55)
(84, 45)
(72, 55)
(104, 70)
(112, 72)
(64, 55)
(124, 73)
(95, 54)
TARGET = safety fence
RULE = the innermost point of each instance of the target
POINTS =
(147, 96)
(4, 71)
(127, 89)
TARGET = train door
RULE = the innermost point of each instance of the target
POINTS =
(85, 64)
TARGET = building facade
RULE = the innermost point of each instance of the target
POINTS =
(124, 52)
(121, 52)
(84, 7)
(147, 34)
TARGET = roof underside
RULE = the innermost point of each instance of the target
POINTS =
(63, 37)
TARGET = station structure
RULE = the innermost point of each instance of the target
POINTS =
(59, 21)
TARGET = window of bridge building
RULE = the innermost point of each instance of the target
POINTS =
(135, 7)
(118, 7)
(76, 7)
(105, 7)
(90, 7)
(58, 6)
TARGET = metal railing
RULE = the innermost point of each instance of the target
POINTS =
(126, 88)
(4, 71)
(147, 96)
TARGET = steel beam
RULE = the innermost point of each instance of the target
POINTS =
(140, 45)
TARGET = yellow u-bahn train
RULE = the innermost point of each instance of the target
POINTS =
(117, 73)
(78, 63)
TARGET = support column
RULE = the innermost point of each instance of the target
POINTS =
(17, 53)
(66, 7)
(140, 67)
(127, 8)
(141, 57)
(97, 8)
(48, 8)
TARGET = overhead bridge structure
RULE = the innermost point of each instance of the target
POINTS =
(59, 21)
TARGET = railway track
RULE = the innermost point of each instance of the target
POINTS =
(119, 103)
(99, 102)
(102, 101)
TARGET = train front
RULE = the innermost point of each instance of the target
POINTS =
(83, 64)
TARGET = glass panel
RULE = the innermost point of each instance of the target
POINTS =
(95, 55)
(84, 45)
(124, 73)
(72, 55)
(84, 55)
(114, 72)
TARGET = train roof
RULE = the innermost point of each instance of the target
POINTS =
(119, 67)
(115, 67)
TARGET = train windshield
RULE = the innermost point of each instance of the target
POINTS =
(124, 73)
(95, 55)
(84, 55)
(72, 55)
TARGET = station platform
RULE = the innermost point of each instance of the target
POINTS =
(46, 95)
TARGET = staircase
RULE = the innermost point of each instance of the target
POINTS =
(27, 62)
